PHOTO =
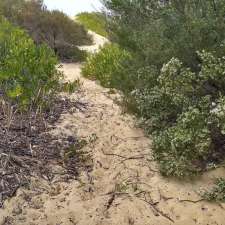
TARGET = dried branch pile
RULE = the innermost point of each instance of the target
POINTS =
(28, 149)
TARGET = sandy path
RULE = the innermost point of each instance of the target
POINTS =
(124, 187)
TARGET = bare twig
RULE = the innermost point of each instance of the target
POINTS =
(158, 211)
(112, 154)
(142, 156)
(192, 201)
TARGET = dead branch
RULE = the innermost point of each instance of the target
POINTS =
(142, 156)
(158, 211)
(192, 201)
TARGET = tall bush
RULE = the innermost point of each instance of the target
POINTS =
(160, 30)
(28, 74)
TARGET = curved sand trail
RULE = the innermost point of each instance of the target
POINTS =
(124, 187)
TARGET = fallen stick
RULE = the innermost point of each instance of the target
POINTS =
(153, 205)
(192, 201)
(124, 157)
(111, 154)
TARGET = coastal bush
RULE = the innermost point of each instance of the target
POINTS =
(71, 53)
(106, 65)
(28, 74)
(217, 193)
(160, 30)
(184, 112)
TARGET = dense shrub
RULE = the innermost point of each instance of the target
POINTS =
(217, 193)
(94, 21)
(170, 79)
(71, 54)
(28, 74)
(184, 112)
(106, 65)
(53, 28)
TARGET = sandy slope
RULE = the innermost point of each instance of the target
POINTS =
(124, 187)
(99, 41)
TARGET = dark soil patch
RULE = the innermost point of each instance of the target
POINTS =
(27, 149)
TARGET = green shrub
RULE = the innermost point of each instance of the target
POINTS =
(106, 65)
(70, 87)
(71, 53)
(28, 74)
(94, 21)
(184, 111)
(217, 193)
(160, 30)
(183, 148)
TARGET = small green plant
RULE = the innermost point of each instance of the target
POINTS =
(121, 187)
(69, 53)
(217, 193)
(106, 65)
(74, 150)
(70, 87)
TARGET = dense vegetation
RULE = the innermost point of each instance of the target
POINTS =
(106, 65)
(94, 21)
(28, 75)
(53, 28)
(217, 192)
(173, 78)
(159, 30)
(30, 104)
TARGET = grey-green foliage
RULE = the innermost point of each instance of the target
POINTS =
(217, 193)
(184, 111)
